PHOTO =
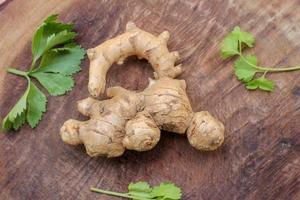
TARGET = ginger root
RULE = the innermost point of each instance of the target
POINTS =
(133, 42)
(132, 120)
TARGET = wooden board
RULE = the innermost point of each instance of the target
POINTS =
(261, 155)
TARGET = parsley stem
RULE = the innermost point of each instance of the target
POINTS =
(17, 72)
(32, 64)
(270, 69)
(117, 194)
(264, 74)
(264, 69)
(279, 69)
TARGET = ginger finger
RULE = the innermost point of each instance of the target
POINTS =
(133, 42)
(142, 133)
(114, 91)
(102, 138)
(90, 107)
(205, 132)
(69, 132)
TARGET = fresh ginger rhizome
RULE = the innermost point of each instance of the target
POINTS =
(132, 120)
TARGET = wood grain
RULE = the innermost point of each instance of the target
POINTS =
(260, 159)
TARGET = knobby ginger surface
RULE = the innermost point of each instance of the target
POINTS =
(133, 120)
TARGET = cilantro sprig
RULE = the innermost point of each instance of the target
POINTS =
(55, 58)
(143, 191)
(246, 67)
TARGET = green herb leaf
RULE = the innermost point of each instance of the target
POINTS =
(167, 191)
(140, 189)
(244, 37)
(16, 113)
(50, 34)
(244, 69)
(58, 39)
(51, 18)
(19, 121)
(261, 83)
(64, 60)
(38, 43)
(56, 66)
(51, 26)
(36, 105)
(56, 84)
(230, 44)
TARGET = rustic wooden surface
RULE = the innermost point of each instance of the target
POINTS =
(261, 155)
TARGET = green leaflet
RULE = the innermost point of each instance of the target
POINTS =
(65, 61)
(261, 83)
(36, 105)
(243, 68)
(56, 84)
(15, 117)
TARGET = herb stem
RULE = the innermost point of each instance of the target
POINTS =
(270, 69)
(32, 64)
(17, 72)
(117, 194)
(264, 75)
(279, 69)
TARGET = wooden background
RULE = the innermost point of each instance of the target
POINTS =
(261, 155)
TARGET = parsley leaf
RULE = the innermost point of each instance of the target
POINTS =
(140, 189)
(56, 84)
(15, 118)
(36, 105)
(244, 69)
(261, 83)
(50, 34)
(55, 27)
(59, 38)
(64, 60)
(167, 191)
(56, 67)
(59, 58)
(51, 18)
(244, 37)
(19, 121)
(230, 44)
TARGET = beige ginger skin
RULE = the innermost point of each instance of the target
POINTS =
(133, 42)
(133, 120)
